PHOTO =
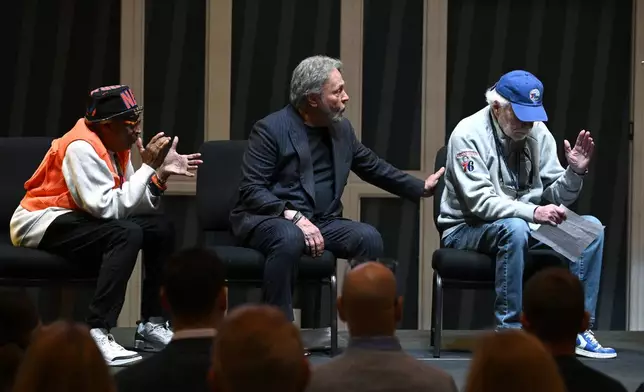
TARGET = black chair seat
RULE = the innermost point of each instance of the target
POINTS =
(453, 264)
(34, 265)
(248, 264)
(463, 265)
(542, 258)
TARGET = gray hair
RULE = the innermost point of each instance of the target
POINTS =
(309, 77)
(491, 96)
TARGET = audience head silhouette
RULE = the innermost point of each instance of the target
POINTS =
(513, 361)
(258, 349)
(553, 308)
(193, 289)
(368, 303)
(19, 317)
(19, 320)
(63, 357)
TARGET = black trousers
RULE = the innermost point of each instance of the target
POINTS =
(115, 243)
(282, 243)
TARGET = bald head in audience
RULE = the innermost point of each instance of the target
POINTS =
(369, 304)
(258, 349)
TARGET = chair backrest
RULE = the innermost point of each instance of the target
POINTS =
(218, 182)
(20, 157)
(441, 159)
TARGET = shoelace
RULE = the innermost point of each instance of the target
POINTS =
(112, 343)
(103, 340)
(591, 336)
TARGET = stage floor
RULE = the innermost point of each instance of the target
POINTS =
(455, 358)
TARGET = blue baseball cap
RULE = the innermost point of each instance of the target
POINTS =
(525, 93)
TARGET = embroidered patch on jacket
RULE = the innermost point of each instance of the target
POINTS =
(464, 158)
(467, 165)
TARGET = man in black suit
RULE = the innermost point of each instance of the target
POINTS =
(193, 291)
(294, 171)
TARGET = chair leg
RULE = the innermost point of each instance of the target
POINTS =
(333, 288)
(432, 327)
(438, 326)
(317, 312)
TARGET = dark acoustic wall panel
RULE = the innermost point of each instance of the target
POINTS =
(175, 58)
(55, 53)
(392, 78)
(581, 51)
(269, 39)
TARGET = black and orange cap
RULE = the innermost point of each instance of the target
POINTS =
(108, 102)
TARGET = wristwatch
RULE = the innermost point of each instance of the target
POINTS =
(296, 218)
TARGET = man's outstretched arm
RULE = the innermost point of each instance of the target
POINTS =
(376, 171)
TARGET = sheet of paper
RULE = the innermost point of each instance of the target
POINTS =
(571, 237)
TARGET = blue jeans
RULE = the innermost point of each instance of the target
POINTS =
(509, 240)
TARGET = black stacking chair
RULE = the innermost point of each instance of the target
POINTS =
(459, 269)
(20, 156)
(217, 192)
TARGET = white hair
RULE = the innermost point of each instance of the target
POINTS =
(309, 77)
(491, 96)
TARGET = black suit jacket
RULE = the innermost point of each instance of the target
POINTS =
(181, 366)
(277, 171)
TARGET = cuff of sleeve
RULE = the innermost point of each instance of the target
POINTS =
(419, 188)
(283, 206)
(573, 179)
(526, 212)
(149, 171)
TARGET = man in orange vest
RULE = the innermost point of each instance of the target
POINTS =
(85, 202)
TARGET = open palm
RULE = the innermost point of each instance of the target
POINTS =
(178, 164)
(580, 155)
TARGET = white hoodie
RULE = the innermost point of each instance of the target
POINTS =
(91, 185)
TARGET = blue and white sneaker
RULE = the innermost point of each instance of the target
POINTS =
(588, 346)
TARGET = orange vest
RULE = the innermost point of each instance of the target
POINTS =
(47, 187)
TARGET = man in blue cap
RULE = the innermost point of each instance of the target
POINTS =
(502, 175)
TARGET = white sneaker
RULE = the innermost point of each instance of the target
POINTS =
(152, 336)
(113, 353)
